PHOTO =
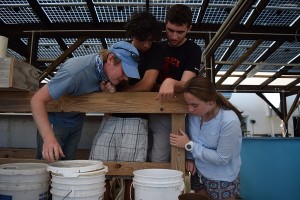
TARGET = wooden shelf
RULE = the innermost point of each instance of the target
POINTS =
(120, 102)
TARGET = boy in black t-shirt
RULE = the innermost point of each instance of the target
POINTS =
(182, 58)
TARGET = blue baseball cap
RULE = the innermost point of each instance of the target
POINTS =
(129, 56)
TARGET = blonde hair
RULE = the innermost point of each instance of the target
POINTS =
(104, 55)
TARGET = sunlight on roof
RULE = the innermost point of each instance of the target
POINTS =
(220, 73)
(228, 81)
(282, 81)
(264, 73)
(253, 81)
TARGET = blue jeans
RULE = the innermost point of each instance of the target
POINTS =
(67, 137)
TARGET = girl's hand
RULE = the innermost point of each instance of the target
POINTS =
(179, 140)
(190, 166)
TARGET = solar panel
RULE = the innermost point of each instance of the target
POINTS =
(275, 14)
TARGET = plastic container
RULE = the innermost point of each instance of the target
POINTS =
(77, 179)
(166, 184)
(19, 181)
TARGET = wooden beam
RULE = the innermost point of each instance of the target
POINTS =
(115, 168)
(239, 61)
(235, 15)
(15, 101)
(63, 56)
(202, 12)
(11, 155)
(229, 51)
(262, 58)
(116, 30)
(127, 168)
(32, 48)
(178, 154)
(29, 153)
(91, 7)
(120, 102)
(256, 12)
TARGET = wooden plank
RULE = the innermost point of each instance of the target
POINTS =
(127, 168)
(62, 57)
(178, 154)
(20, 102)
(123, 102)
(16, 74)
(18, 160)
(115, 168)
(120, 102)
(29, 153)
(11, 155)
(15, 101)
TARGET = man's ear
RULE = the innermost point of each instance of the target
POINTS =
(110, 57)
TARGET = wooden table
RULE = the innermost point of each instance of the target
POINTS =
(120, 102)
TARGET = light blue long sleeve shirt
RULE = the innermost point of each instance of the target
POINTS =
(217, 145)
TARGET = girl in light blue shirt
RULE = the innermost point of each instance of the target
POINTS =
(213, 143)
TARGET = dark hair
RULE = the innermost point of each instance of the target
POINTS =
(179, 14)
(142, 25)
(202, 88)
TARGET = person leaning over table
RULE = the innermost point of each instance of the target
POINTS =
(77, 76)
(214, 140)
(182, 58)
(124, 136)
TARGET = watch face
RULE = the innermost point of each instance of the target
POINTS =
(188, 146)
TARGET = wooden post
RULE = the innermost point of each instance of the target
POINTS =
(177, 154)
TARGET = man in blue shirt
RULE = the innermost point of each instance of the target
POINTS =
(78, 76)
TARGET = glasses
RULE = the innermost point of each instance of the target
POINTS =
(133, 55)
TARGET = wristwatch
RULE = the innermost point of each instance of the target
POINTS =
(189, 146)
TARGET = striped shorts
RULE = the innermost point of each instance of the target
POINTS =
(121, 139)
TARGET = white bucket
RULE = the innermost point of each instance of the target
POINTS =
(77, 179)
(164, 184)
(19, 181)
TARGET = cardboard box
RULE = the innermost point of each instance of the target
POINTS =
(18, 75)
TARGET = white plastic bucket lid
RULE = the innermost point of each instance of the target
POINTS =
(74, 168)
(158, 173)
(157, 184)
(23, 168)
